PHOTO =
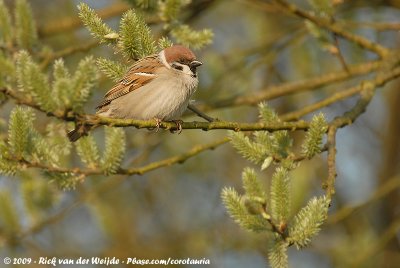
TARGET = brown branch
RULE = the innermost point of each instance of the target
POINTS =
(339, 53)
(378, 26)
(388, 187)
(367, 93)
(382, 239)
(70, 23)
(111, 183)
(334, 27)
(379, 81)
(329, 184)
(66, 116)
(269, 48)
(290, 116)
(226, 125)
(178, 159)
(49, 58)
(93, 120)
(194, 109)
(359, 108)
(315, 83)
(50, 220)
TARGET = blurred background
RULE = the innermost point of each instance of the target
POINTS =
(177, 211)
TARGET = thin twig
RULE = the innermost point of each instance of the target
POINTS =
(110, 184)
(378, 26)
(50, 220)
(200, 113)
(379, 81)
(178, 159)
(390, 233)
(335, 27)
(272, 92)
(49, 58)
(329, 184)
(339, 53)
(367, 93)
(70, 23)
(388, 187)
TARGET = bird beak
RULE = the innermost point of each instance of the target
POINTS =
(195, 64)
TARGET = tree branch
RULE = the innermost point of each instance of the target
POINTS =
(50, 220)
(178, 159)
(335, 28)
(227, 125)
(378, 26)
(373, 248)
(50, 57)
(367, 93)
(194, 109)
(379, 81)
(329, 184)
(71, 23)
(314, 83)
(388, 187)
(94, 120)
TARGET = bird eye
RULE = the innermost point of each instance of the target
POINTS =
(177, 67)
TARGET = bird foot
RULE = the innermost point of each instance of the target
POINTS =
(178, 124)
(158, 124)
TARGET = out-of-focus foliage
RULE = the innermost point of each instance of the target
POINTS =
(52, 191)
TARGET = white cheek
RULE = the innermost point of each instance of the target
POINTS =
(186, 70)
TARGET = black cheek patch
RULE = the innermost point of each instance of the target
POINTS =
(177, 67)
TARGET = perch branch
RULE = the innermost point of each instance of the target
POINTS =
(150, 124)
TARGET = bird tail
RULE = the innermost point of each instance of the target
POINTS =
(74, 135)
(78, 132)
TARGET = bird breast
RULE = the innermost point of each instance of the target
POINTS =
(165, 98)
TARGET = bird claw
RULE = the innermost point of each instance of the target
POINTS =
(178, 124)
(158, 124)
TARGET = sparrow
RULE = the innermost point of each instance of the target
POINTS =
(156, 87)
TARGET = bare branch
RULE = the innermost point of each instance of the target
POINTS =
(334, 27)
(379, 81)
(49, 58)
(178, 159)
(385, 189)
(273, 92)
(200, 113)
(71, 23)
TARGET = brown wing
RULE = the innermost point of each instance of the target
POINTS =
(138, 75)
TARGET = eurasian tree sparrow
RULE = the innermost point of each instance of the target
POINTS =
(156, 87)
